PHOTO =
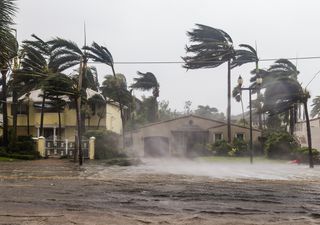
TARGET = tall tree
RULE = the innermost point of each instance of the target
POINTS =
(284, 68)
(8, 50)
(67, 54)
(146, 82)
(212, 47)
(115, 89)
(242, 56)
(35, 68)
(281, 96)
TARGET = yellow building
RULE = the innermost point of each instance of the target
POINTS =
(29, 112)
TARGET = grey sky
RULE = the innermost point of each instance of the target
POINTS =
(155, 30)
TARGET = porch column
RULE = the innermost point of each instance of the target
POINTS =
(41, 146)
(54, 135)
(91, 147)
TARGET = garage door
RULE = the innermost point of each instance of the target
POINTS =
(156, 146)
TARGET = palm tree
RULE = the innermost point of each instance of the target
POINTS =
(282, 95)
(115, 89)
(67, 54)
(148, 81)
(212, 48)
(242, 56)
(99, 53)
(285, 68)
(36, 67)
(8, 53)
(8, 50)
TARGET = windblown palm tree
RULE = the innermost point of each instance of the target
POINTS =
(281, 96)
(8, 50)
(242, 56)
(8, 53)
(67, 54)
(99, 53)
(285, 68)
(212, 47)
(115, 89)
(35, 68)
(148, 81)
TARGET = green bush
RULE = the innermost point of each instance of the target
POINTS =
(106, 144)
(302, 154)
(240, 148)
(280, 145)
(3, 152)
(24, 157)
(221, 148)
(23, 144)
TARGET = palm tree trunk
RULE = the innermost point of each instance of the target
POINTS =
(79, 152)
(258, 95)
(123, 124)
(229, 102)
(42, 113)
(4, 107)
(291, 120)
(83, 69)
(14, 116)
(28, 118)
(113, 72)
(59, 121)
(98, 125)
(305, 104)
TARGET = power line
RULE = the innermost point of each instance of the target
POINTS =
(182, 62)
(313, 78)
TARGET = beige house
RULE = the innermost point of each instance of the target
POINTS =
(182, 136)
(301, 133)
(29, 116)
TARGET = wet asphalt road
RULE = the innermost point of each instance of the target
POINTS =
(58, 192)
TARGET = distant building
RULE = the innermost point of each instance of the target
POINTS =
(301, 133)
(29, 109)
(182, 136)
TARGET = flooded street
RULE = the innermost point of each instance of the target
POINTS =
(158, 192)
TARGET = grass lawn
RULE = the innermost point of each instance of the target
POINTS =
(5, 159)
(239, 159)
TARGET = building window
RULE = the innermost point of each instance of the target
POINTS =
(240, 136)
(22, 109)
(218, 137)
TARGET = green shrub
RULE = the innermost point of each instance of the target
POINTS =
(221, 148)
(23, 144)
(240, 148)
(24, 157)
(280, 145)
(302, 154)
(106, 144)
(3, 152)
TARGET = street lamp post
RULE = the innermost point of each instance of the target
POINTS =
(258, 82)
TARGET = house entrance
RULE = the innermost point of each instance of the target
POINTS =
(48, 132)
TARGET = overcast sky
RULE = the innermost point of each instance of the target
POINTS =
(155, 30)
